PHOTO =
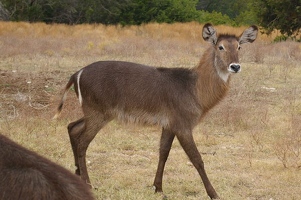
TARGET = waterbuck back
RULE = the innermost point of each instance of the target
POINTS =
(174, 98)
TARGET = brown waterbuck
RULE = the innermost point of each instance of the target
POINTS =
(174, 98)
(28, 176)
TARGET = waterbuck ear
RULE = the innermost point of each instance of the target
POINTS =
(209, 33)
(249, 35)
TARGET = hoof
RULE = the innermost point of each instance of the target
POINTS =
(164, 197)
(160, 192)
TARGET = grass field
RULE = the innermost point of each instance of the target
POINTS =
(250, 143)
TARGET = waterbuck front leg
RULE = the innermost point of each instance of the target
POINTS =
(167, 138)
(187, 142)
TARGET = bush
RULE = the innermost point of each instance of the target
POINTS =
(215, 18)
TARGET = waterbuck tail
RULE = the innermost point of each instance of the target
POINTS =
(60, 107)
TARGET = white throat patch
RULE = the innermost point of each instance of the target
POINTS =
(224, 76)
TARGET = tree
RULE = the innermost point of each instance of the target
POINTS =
(142, 11)
(4, 14)
(232, 8)
(237, 11)
(102, 11)
(42, 10)
(284, 15)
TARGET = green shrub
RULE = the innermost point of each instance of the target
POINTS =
(214, 18)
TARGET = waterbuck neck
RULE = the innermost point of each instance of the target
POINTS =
(210, 86)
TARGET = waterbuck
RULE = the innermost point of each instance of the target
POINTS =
(174, 98)
(28, 176)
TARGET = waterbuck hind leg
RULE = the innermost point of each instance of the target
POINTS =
(93, 123)
(187, 142)
(167, 138)
(74, 130)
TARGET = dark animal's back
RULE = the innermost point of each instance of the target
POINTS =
(26, 175)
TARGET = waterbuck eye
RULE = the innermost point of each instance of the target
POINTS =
(239, 48)
(221, 48)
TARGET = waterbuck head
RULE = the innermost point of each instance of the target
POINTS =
(226, 48)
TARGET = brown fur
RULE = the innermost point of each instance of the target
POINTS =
(216, 88)
(28, 176)
(174, 98)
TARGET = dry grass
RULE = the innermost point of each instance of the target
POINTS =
(251, 142)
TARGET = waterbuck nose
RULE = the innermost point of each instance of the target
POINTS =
(234, 67)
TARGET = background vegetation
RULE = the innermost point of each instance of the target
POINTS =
(283, 15)
(250, 142)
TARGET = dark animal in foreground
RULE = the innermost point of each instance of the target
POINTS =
(28, 176)
(174, 98)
